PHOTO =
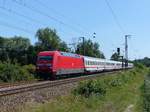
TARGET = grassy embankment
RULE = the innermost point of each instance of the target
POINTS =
(115, 93)
(146, 94)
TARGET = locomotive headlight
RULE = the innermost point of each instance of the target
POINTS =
(49, 65)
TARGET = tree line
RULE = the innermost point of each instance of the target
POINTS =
(18, 49)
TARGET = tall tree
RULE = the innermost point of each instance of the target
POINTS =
(48, 39)
(14, 49)
(63, 47)
(145, 61)
(115, 57)
(91, 49)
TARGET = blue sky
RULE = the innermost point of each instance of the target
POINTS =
(82, 18)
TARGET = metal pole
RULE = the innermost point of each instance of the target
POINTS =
(126, 50)
(83, 45)
(122, 61)
(83, 38)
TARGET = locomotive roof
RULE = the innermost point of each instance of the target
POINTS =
(62, 53)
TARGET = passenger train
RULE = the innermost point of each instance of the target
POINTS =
(56, 63)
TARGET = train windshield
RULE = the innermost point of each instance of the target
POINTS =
(45, 58)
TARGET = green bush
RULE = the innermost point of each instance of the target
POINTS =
(91, 87)
(100, 86)
(30, 68)
(116, 82)
(139, 65)
(13, 72)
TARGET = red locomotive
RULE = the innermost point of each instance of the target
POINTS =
(58, 63)
(55, 63)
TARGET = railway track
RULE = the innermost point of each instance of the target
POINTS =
(15, 89)
(7, 85)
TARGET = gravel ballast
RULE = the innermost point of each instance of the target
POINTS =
(13, 102)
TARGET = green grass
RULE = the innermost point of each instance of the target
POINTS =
(118, 98)
(146, 94)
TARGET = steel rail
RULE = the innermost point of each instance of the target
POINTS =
(47, 84)
(6, 85)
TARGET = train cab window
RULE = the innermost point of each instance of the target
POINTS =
(45, 58)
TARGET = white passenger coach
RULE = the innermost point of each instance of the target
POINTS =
(96, 64)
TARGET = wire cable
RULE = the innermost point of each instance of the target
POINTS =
(15, 27)
(115, 17)
(46, 15)
(62, 15)
(18, 20)
(21, 15)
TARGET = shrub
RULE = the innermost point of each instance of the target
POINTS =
(30, 68)
(13, 72)
(116, 82)
(91, 87)
(139, 65)
(100, 86)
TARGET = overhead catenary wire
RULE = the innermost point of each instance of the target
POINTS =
(47, 15)
(26, 17)
(63, 16)
(15, 27)
(18, 20)
(115, 17)
(21, 15)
